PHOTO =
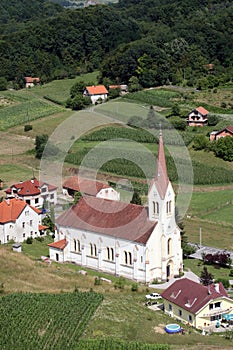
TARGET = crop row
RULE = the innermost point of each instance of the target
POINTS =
(157, 97)
(45, 321)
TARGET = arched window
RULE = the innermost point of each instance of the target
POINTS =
(112, 254)
(169, 246)
(79, 246)
(154, 208)
(95, 250)
(170, 206)
(108, 253)
(130, 258)
(91, 249)
(157, 208)
(126, 257)
(75, 245)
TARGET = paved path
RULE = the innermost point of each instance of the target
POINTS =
(209, 250)
(189, 274)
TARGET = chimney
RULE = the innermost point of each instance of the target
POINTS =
(216, 286)
(209, 292)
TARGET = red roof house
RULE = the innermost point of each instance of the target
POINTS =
(227, 131)
(89, 187)
(200, 306)
(96, 93)
(33, 191)
(18, 220)
(198, 117)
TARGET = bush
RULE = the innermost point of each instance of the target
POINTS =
(224, 281)
(97, 281)
(27, 127)
(40, 239)
(29, 240)
(231, 273)
(134, 287)
(120, 283)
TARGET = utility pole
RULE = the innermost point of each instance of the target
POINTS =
(200, 236)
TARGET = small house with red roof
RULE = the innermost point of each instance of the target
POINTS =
(96, 93)
(89, 188)
(30, 82)
(198, 117)
(33, 192)
(227, 131)
(195, 304)
(134, 241)
(18, 221)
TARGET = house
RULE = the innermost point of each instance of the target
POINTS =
(122, 87)
(33, 192)
(197, 305)
(198, 117)
(227, 131)
(137, 242)
(18, 221)
(96, 93)
(90, 188)
(30, 82)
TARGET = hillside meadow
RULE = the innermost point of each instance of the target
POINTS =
(121, 315)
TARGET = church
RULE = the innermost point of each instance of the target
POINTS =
(142, 243)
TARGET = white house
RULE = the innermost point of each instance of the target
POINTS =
(18, 221)
(33, 192)
(198, 117)
(98, 92)
(89, 187)
(30, 82)
(123, 239)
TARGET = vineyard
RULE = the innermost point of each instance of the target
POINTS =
(45, 321)
(155, 97)
(25, 112)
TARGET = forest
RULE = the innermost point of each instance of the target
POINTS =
(153, 42)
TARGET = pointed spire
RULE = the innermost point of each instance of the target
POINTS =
(161, 177)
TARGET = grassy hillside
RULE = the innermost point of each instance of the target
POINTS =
(122, 314)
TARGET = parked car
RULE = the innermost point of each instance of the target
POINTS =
(153, 296)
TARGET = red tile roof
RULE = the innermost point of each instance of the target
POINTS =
(42, 227)
(31, 80)
(227, 128)
(202, 110)
(29, 187)
(113, 218)
(97, 90)
(10, 209)
(85, 186)
(192, 296)
(59, 244)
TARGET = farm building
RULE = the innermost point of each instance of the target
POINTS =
(198, 117)
(195, 304)
(137, 242)
(89, 187)
(18, 221)
(227, 131)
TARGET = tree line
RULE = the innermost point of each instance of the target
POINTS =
(149, 42)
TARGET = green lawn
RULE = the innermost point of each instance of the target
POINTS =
(37, 248)
(59, 90)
